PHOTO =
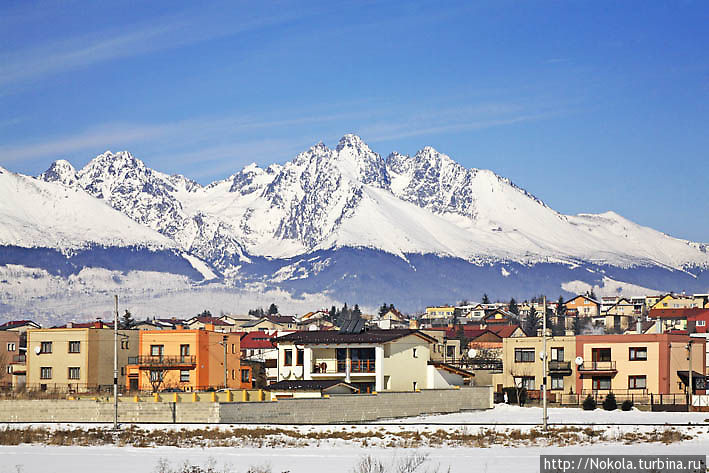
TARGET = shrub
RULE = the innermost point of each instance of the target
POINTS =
(609, 403)
(627, 405)
(589, 403)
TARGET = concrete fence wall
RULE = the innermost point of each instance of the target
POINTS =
(335, 409)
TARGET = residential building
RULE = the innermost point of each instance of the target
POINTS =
(10, 357)
(677, 301)
(523, 365)
(583, 306)
(391, 319)
(188, 360)
(692, 320)
(207, 322)
(19, 325)
(373, 360)
(77, 359)
(270, 323)
(621, 315)
(650, 363)
(499, 317)
(440, 312)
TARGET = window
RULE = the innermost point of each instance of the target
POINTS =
(299, 357)
(701, 323)
(184, 376)
(288, 358)
(601, 354)
(601, 383)
(637, 382)
(123, 370)
(157, 350)
(233, 374)
(156, 375)
(557, 354)
(74, 347)
(413, 350)
(245, 376)
(9, 369)
(11, 347)
(74, 373)
(557, 382)
(524, 355)
(416, 385)
(45, 372)
(450, 351)
(638, 353)
(124, 344)
(184, 352)
(46, 347)
(526, 382)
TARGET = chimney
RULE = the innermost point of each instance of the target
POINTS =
(639, 326)
(658, 325)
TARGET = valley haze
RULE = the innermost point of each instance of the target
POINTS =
(331, 226)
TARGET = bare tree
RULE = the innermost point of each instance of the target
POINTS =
(4, 363)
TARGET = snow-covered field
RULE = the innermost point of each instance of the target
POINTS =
(335, 454)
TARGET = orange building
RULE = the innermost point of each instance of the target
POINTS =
(187, 360)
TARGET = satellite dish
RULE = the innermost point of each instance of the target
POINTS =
(578, 361)
(472, 353)
(37, 350)
(285, 373)
(298, 371)
(542, 355)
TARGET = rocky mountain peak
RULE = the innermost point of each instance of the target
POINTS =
(60, 171)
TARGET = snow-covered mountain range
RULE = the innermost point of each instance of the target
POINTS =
(346, 222)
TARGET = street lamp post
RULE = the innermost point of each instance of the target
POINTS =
(544, 366)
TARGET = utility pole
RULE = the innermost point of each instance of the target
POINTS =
(115, 368)
(544, 366)
(691, 384)
(224, 339)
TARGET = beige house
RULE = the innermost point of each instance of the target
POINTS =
(77, 359)
(523, 365)
(373, 360)
(621, 315)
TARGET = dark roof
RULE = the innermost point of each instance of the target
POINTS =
(369, 336)
(209, 320)
(308, 385)
(17, 323)
(281, 319)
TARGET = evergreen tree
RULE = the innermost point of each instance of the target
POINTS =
(273, 309)
(531, 324)
(126, 321)
(486, 299)
(513, 307)
(383, 310)
(204, 313)
(256, 312)
(560, 307)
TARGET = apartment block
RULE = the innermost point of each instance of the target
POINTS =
(77, 359)
(187, 360)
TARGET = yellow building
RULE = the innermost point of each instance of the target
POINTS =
(77, 359)
(671, 301)
(439, 312)
(523, 365)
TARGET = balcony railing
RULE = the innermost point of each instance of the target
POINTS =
(555, 365)
(144, 361)
(340, 366)
(597, 366)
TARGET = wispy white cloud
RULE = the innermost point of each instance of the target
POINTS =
(167, 32)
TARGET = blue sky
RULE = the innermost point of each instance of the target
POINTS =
(589, 105)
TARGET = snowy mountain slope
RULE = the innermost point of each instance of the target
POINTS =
(51, 215)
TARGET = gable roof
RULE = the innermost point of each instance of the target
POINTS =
(205, 319)
(257, 340)
(368, 336)
(505, 331)
(582, 296)
(18, 323)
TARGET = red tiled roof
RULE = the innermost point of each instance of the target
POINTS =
(255, 340)
(16, 323)
(211, 320)
(504, 331)
(97, 324)
(678, 313)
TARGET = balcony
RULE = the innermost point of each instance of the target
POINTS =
(340, 366)
(597, 367)
(174, 362)
(560, 367)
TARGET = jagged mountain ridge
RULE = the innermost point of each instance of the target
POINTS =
(351, 197)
